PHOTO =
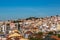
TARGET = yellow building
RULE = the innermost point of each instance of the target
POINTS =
(58, 27)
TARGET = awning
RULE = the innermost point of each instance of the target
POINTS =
(15, 35)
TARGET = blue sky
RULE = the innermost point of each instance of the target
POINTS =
(14, 9)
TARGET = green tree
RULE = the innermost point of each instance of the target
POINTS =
(38, 36)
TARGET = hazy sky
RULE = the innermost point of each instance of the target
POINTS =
(14, 9)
